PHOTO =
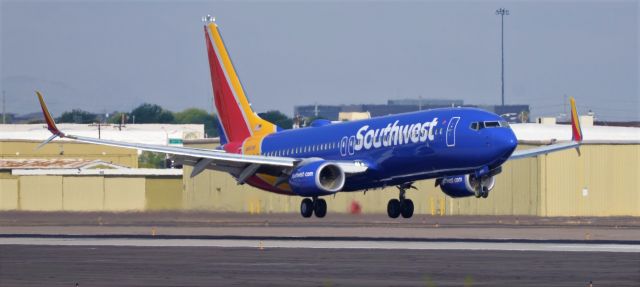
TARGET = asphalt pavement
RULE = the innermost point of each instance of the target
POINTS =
(218, 249)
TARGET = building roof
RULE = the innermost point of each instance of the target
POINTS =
(604, 134)
(100, 172)
(66, 166)
(157, 134)
(55, 163)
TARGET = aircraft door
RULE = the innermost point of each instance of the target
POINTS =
(343, 146)
(352, 142)
(451, 131)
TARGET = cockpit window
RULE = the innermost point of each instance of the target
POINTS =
(488, 124)
(491, 124)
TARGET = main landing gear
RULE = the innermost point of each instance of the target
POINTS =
(310, 206)
(402, 206)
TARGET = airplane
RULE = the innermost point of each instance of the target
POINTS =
(463, 149)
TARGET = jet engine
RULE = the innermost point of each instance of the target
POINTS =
(317, 178)
(466, 185)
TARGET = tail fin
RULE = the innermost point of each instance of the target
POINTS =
(51, 124)
(575, 122)
(234, 111)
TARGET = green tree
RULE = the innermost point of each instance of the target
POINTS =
(151, 113)
(149, 159)
(116, 118)
(77, 116)
(9, 118)
(191, 116)
(199, 116)
(277, 118)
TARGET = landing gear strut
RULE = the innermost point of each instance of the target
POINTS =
(401, 206)
(310, 206)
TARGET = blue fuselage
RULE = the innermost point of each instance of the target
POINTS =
(405, 147)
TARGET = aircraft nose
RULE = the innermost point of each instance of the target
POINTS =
(505, 140)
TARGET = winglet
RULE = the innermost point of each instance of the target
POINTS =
(575, 122)
(51, 124)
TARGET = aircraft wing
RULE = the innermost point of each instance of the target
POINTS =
(240, 165)
(576, 139)
(543, 150)
(215, 155)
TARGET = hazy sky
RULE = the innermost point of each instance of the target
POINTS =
(114, 55)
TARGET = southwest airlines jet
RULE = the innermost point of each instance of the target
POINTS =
(462, 148)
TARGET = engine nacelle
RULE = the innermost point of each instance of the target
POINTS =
(317, 178)
(465, 185)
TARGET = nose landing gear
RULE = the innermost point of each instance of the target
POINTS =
(310, 206)
(401, 206)
(483, 192)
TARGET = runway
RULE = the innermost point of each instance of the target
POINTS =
(37, 265)
(331, 243)
(284, 250)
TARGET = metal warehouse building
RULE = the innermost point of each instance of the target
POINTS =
(603, 181)
(86, 185)
(72, 176)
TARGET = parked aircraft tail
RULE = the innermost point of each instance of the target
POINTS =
(575, 122)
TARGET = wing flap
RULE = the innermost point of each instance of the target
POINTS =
(197, 153)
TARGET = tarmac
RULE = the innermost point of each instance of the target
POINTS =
(226, 249)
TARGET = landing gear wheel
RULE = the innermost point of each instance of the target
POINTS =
(320, 207)
(406, 208)
(477, 193)
(306, 207)
(485, 192)
(393, 208)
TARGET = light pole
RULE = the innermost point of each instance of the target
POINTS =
(502, 12)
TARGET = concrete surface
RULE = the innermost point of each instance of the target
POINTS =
(211, 266)
(230, 249)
